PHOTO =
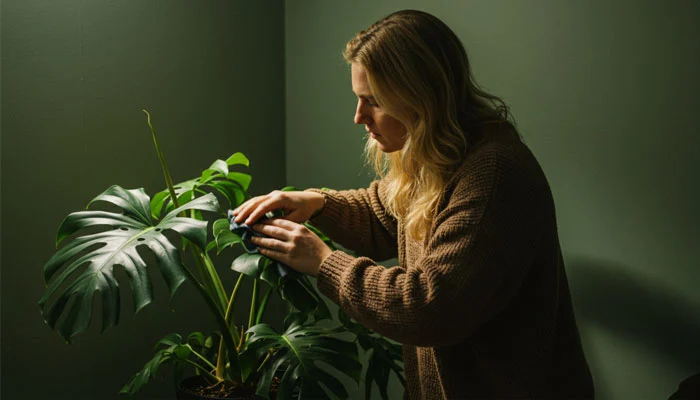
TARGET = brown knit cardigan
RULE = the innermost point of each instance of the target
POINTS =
(482, 306)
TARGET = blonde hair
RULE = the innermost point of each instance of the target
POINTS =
(419, 73)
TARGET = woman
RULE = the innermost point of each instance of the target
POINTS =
(480, 299)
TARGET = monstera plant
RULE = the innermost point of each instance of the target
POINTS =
(237, 359)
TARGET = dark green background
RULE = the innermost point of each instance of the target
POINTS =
(605, 93)
(75, 76)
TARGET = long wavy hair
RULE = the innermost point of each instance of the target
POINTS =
(419, 73)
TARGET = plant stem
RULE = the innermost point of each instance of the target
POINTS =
(227, 336)
(253, 305)
(201, 357)
(202, 369)
(213, 277)
(161, 158)
(221, 361)
(202, 272)
(262, 364)
(215, 284)
(263, 305)
(209, 276)
(220, 358)
(229, 308)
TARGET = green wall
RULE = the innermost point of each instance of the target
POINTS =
(606, 95)
(75, 76)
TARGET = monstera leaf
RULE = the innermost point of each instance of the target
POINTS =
(173, 350)
(232, 185)
(385, 356)
(170, 348)
(223, 237)
(296, 357)
(87, 262)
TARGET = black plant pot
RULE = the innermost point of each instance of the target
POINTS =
(190, 389)
(689, 389)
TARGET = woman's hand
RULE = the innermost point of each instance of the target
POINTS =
(292, 244)
(298, 206)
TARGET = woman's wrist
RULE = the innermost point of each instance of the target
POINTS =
(319, 210)
(324, 255)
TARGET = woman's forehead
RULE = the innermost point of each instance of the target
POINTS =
(360, 84)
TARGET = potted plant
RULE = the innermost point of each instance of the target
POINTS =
(241, 359)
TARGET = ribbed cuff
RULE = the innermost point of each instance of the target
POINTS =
(332, 211)
(330, 274)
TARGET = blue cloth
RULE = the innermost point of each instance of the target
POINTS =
(246, 232)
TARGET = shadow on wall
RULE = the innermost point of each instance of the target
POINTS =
(638, 309)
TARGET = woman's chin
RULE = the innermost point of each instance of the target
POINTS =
(386, 149)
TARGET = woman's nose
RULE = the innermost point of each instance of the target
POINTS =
(361, 117)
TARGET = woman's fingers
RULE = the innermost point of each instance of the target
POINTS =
(292, 244)
(278, 240)
(252, 210)
(278, 222)
(270, 203)
(270, 244)
(297, 206)
(281, 235)
(276, 228)
(241, 212)
(273, 254)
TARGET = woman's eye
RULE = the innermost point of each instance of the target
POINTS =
(369, 101)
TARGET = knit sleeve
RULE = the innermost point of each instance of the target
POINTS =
(358, 220)
(482, 242)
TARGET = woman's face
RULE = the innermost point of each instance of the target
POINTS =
(389, 133)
